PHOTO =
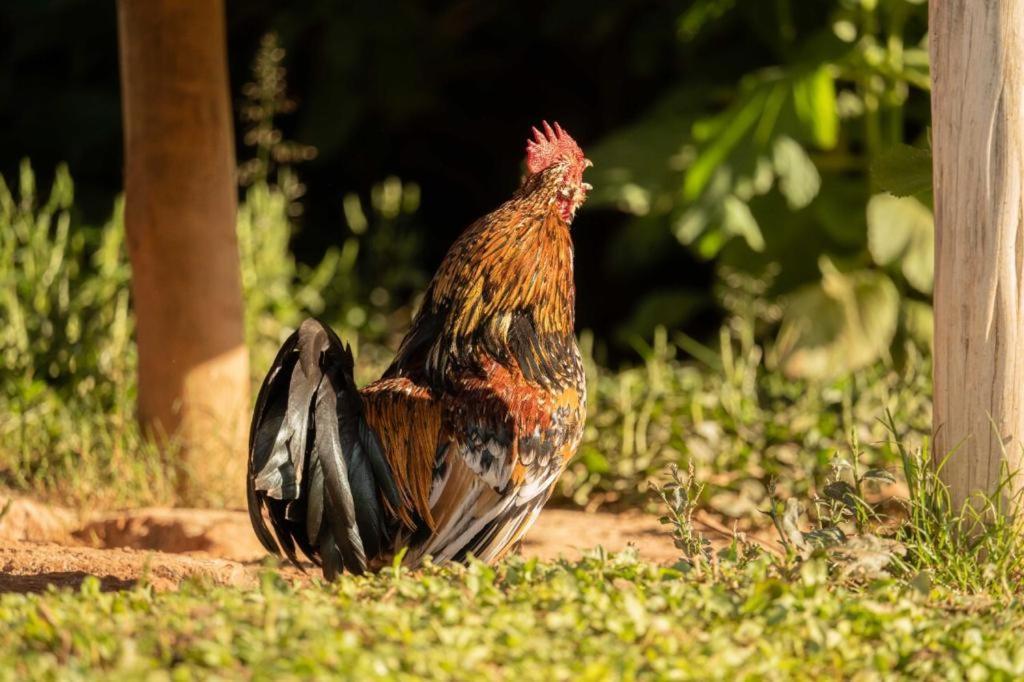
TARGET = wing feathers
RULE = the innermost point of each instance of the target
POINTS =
(404, 419)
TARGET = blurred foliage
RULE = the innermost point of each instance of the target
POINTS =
(279, 291)
(726, 132)
(67, 390)
(265, 99)
(63, 295)
(827, 275)
(735, 417)
(901, 232)
(67, 385)
(845, 322)
(781, 169)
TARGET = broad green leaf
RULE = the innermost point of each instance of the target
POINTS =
(919, 261)
(711, 243)
(903, 171)
(694, 222)
(888, 233)
(738, 220)
(842, 323)
(691, 224)
(901, 229)
(799, 181)
(814, 99)
(731, 129)
(919, 322)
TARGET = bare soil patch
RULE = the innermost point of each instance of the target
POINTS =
(42, 545)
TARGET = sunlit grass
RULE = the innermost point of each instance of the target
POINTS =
(604, 617)
(978, 547)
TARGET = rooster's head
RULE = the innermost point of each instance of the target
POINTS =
(554, 149)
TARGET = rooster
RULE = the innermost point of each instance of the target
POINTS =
(456, 448)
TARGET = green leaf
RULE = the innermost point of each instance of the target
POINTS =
(711, 244)
(903, 171)
(708, 212)
(700, 14)
(901, 229)
(840, 324)
(814, 99)
(738, 220)
(594, 461)
(799, 181)
(691, 224)
(729, 130)
(919, 322)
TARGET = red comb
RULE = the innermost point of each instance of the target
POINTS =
(549, 147)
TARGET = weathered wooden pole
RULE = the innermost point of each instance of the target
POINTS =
(977, 61)
(180, 218)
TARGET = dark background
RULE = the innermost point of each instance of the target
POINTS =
(440, 93)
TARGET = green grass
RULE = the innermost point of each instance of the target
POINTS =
(977, 548)
(932, 599)
(739, 421)
(602, 618)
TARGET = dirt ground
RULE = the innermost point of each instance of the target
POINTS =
(43, 545)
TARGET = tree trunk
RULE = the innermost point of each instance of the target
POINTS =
(180, 218)
(977, 52)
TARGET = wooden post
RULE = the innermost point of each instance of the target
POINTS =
(180, 207)
(977, 53)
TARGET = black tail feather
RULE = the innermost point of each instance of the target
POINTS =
(340, 508)
(315, 466)
(315, 501)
